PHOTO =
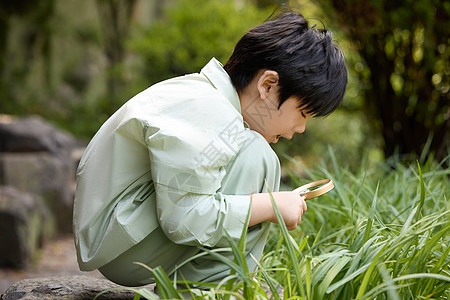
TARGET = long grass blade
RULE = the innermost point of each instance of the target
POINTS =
(332, 273)
(291, 252)
(371, 217)
(368, 273)
(422, 194)
(268, 280)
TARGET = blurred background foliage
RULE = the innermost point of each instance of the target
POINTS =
(75, 62)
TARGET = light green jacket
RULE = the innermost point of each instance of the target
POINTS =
(159, 161)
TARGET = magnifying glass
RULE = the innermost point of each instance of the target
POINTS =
(315, 189)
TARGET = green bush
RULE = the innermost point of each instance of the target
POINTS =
(190, 33)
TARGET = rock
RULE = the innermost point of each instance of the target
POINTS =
(65, 288)
(41, 159)
(25, 222)
(46, 176)
(33, 134)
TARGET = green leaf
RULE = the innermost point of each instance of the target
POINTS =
(421, 259)
(371, 217)
(368, 273)
(268, 279)
(331, 275)
(308, 277)
(419, 205)
(291, 252)
(165, 285)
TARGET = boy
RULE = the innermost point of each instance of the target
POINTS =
(184, 161)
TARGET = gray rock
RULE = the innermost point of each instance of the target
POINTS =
(25, 223)
(65, 288)
(33, 134)
(39, 158)
(45, 175)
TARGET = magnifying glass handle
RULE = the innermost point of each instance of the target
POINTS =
(327, 185)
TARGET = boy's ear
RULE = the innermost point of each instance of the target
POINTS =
(268, 83)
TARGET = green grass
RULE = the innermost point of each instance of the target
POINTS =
(382, 233)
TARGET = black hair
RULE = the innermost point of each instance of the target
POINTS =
(310, 66)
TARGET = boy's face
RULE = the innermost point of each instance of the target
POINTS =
(272, 123)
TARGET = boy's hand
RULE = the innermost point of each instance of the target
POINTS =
(291, 206)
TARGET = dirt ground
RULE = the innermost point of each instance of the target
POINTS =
(57, 258)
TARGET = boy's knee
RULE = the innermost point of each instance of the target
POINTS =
(258, 152)
(255, 164)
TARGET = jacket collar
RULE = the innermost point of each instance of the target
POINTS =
(220, 79)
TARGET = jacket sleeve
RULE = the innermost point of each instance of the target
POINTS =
(201, 219)
(188, 165)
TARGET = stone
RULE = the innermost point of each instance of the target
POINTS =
(25, 223)
(45, 175)
(33, 134)
(39, 158)
(66, 288)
